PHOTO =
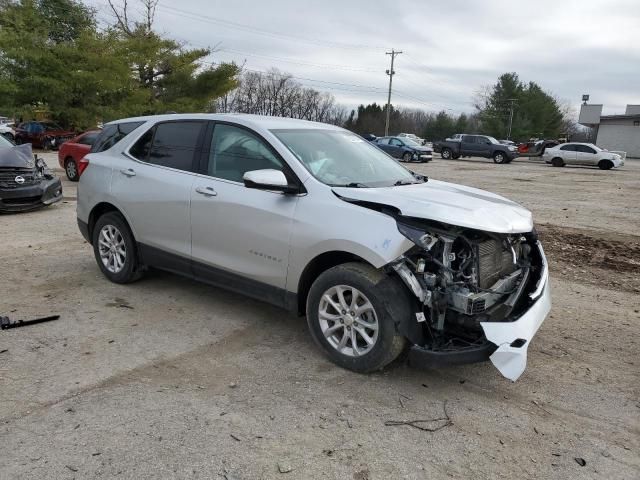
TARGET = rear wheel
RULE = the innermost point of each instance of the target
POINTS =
(406, 157)
(71, 169)
(115, 249)
(351, 310)
(557, 162)
(446, 153)
(605, 164)
(499, 157)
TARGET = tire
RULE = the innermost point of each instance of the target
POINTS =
(557, 162)
(406, 157)
(126, 268)
(605, 164)
(71, 169)
(499, 157)
(446, 153)
(388, 303)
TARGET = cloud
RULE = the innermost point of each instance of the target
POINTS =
(450, 48)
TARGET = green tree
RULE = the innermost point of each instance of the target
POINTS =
(52, 58)
(535, 112)
(171, 77)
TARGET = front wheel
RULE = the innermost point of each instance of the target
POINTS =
(71, 169)
(115, 249)
(605, 164)
(446, 153)
(499, 157)
(351, 310)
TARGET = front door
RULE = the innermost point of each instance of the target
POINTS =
(586, 155)
(240, 236)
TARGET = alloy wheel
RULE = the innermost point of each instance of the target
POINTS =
(113, 251)
(348, 320)
(72, 171)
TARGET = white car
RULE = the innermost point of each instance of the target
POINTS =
(582, 154)
(6, 130)
(315, 219)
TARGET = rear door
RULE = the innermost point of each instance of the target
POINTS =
(152, 186)
(240, 236)
(468, 145)
(568, 153)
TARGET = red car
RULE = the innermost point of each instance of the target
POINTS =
(45, 135)
(72, 152)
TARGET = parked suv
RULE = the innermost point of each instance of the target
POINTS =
(315, 219)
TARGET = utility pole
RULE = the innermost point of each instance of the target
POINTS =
(511, 102)
(391, 73)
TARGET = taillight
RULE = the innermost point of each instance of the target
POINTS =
(82, 165)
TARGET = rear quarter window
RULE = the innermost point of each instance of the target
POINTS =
(112, 134)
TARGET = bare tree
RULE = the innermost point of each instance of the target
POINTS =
(279, 94)
(129, 27)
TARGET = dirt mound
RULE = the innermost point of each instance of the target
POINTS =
(611, 259)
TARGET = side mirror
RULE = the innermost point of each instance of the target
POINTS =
(268, 179)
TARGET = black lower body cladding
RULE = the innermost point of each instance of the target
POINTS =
(31, 197)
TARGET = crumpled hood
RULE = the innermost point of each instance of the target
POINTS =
(448, 203)
(20, 156)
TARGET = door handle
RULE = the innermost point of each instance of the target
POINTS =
(206, 191)
(129, 172)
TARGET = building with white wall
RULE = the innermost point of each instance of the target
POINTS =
(614, 132)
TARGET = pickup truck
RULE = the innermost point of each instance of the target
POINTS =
(477, 146)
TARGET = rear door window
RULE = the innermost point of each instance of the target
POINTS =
(568, 148)
(112, 134)
(170, 144)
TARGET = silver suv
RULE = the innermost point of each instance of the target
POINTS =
(312, 218)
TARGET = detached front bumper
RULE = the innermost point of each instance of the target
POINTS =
(513, 338)
(31, 197)
(507, 342)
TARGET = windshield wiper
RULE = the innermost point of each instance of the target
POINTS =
(354, 185)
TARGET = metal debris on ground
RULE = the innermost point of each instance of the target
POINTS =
(6, 323)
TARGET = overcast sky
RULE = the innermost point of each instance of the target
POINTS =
(451, 48)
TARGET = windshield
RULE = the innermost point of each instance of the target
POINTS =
(341, 158)
(410, 141)
(4, 143)
(493, 140)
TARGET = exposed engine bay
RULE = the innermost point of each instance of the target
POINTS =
(462, 277)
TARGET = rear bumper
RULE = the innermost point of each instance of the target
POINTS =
(31, 197)
(84, 230)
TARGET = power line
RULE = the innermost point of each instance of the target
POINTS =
(260, 31)
(296, 61)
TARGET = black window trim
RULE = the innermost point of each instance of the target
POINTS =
(195, 161)
(203, 164)
(140, 122)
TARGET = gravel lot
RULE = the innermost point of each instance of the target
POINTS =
(168, 378)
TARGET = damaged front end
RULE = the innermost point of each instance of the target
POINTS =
(479, 294)
(26, 183)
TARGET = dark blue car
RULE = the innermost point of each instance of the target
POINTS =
(405, 149)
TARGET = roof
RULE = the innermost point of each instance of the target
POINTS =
(620, 117)
(256, 121)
